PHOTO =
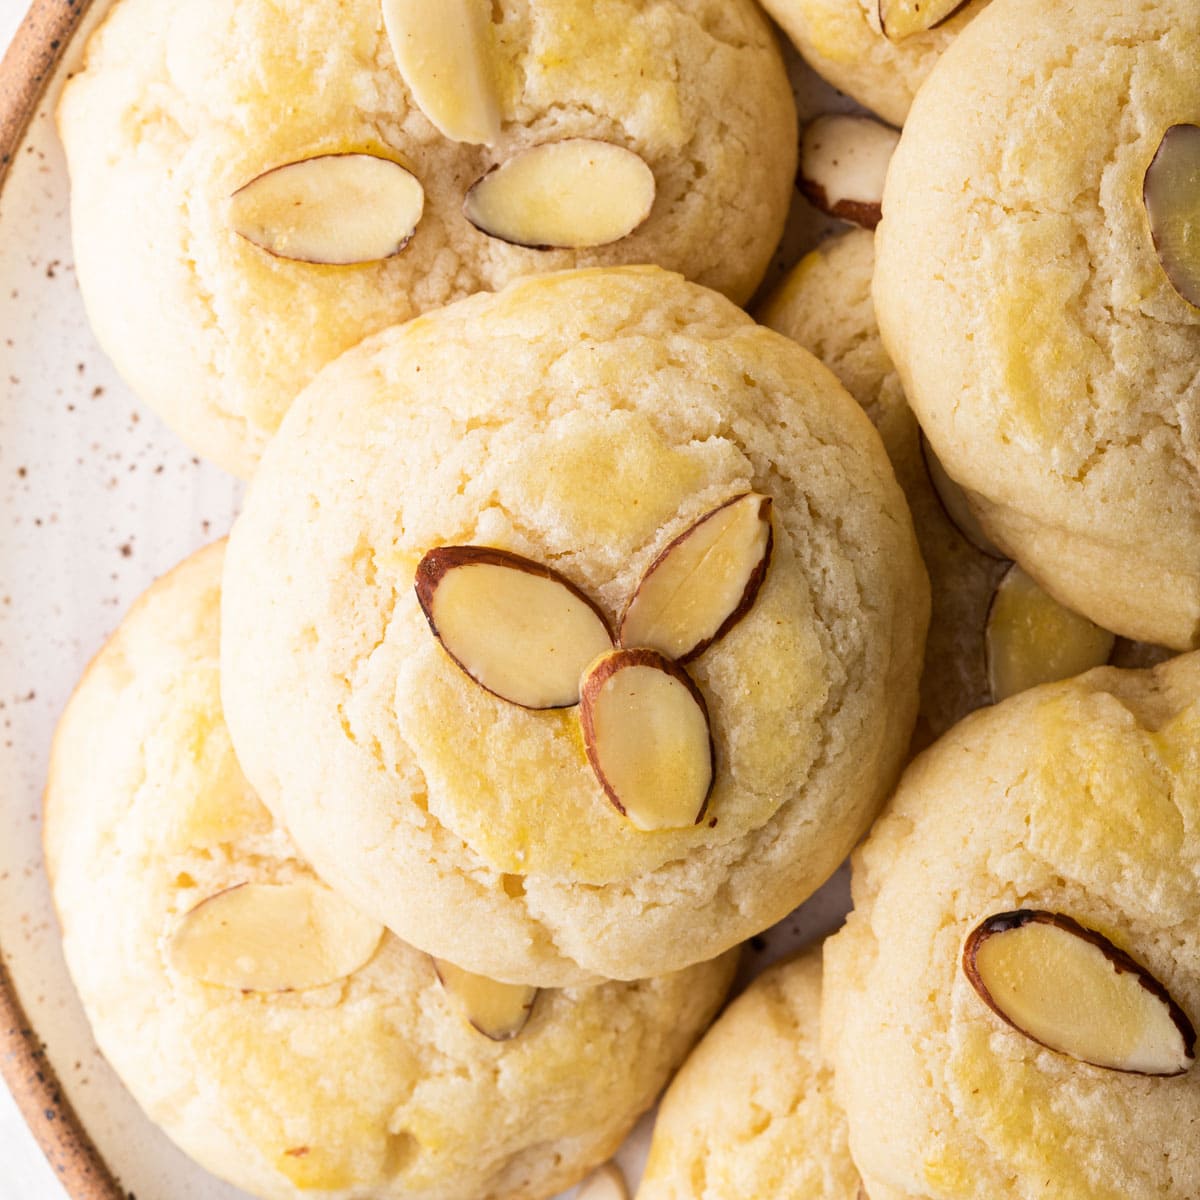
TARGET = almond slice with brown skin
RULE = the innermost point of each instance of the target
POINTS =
(604, 1183)
(1070, 989)
(843, 163)
(444, 51)
(704, 582)
(1033, 639)
(516, 627)
(336, 209)
(1171, 193)
(572, 194)
(646, 734)
(954, 503)
(497, 1010)
(273, 937)
(900, 19)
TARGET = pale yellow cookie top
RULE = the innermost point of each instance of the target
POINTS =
(1049, 359)
(370, 1085)
(824, 303)
(180, 103)
(583, 421)
(1081, 798)
(844, 42)
(751, 1113)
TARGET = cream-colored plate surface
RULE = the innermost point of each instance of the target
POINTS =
(98, 499)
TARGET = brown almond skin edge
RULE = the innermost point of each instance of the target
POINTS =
(436, 563)
(487, 232)
(536, 245)
(1191, 298)
(506, 1037)
(1015, 919)
(865, 213)
(400, 247)
(749, 592)
(928, 28)
(637, 656)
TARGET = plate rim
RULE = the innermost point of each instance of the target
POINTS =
(35, 56)
(25, 71)
(27, 66)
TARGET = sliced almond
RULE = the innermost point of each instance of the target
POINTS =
(646, 734)
(273, 937)
(517, 628)
(843, 163)
(336, 209)
(902, 19)
(954, 502)
(575, 193)
(704, 582)
(1171, 193)
(604, 1183)
(1070, 989)
(443, 49)
(497, 1010)
(1033, 639)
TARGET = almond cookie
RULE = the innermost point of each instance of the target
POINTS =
(878, 51)
(258, 184)
(992, 630)
(575, 630)
(1017, 984)
(1033, 287)
(752, 1112)
(279, 1036)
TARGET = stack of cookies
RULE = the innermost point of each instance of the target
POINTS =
(574, 627)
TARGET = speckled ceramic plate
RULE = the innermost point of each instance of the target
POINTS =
(99, 499)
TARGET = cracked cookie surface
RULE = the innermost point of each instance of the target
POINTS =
(370, 1084)
(843, 41)
(581, 421)
(180, 104)
(825, 305)
(752, 1112)
(1048, 357)
(1079, 798)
